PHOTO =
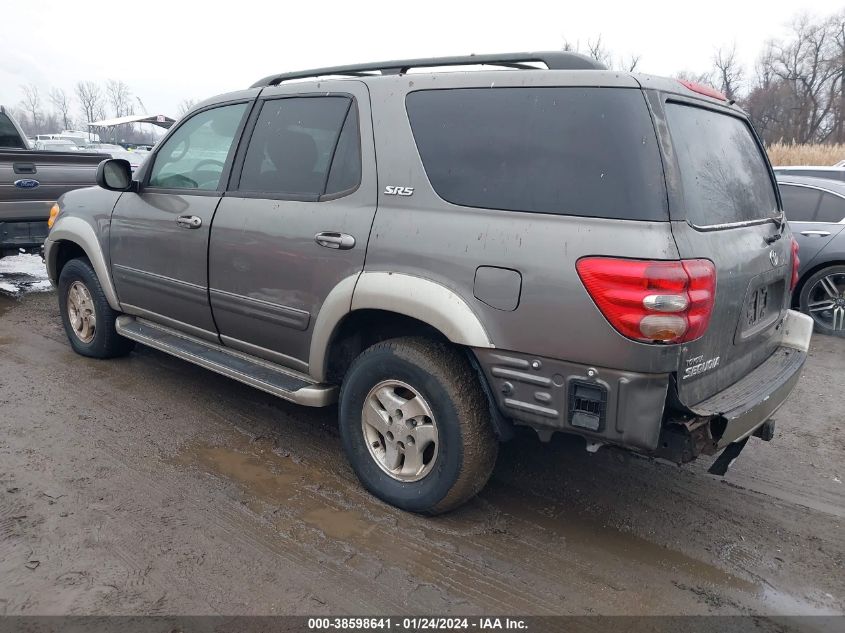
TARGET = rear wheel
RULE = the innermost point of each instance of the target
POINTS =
(88, 318)
(823, 298)
(415, 425)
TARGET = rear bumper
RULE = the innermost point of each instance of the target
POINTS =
(640, 411)
(741, 408)
(27, 235)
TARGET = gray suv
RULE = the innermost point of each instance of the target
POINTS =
(449, 254)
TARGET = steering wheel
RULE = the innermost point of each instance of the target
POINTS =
(208, 161)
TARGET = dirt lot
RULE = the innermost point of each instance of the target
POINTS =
(147, 485)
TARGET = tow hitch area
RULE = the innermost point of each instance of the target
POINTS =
(724, 461)
(766, 432)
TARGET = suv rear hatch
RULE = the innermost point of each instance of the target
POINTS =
(723, 206)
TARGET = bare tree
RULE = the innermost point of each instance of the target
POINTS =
(61, 102)
(31, 103)
(630, 63)
(597, 51)
(728, 71)
(119, 96)
(90, 99)
(705, 78)
(185, 106)
(803, 65)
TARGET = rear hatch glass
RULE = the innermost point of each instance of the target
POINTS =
(724, 176)
(727, 195)
(562, 150)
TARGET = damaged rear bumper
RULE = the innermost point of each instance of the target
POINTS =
(736, 413)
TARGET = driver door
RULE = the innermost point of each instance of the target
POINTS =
(159, 235)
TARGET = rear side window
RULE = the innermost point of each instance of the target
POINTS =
(831, 209)
(569, 151)
(724, 175)
(799, 203)
(9, 136)
(303, 146)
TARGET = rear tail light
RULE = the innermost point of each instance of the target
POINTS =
(795, 261)
(652, 301)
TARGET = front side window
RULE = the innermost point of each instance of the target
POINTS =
(303, 147)
(195, 155)
(799, 203)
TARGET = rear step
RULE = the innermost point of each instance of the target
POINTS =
(274, 379)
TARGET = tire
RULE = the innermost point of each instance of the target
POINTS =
(452, 409)
(824, 288)
(80, 297)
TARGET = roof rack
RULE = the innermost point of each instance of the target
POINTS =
(554, 60)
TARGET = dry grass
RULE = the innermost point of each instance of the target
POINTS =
(789, 154)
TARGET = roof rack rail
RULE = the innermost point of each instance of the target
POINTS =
(554, 60)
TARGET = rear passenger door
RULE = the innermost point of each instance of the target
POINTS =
(814, 216)
(296, 218)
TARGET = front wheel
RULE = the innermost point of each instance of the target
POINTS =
(415, 425)
(823, 298)
(88, 318)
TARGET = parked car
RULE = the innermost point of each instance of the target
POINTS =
(30, 183)
(815, 209)
(135, 158)
(449, 254)
(56, 145)
(837, 172)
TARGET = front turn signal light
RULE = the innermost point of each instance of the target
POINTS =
(54, 213)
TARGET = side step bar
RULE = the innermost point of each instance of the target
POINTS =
(275, 379)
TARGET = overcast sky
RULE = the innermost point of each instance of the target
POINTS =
(172, 50)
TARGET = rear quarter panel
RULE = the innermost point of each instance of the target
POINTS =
(426, 236)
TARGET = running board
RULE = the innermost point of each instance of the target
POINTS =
(275, 379)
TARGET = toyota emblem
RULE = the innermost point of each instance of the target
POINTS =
(773, 257)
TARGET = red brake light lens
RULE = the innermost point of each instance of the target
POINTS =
(652, 301)
(795, 262)
(701, 89)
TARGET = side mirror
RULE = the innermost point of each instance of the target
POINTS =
(115, 174)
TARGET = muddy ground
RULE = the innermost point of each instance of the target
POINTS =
(147, 485)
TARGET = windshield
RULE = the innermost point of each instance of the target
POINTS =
(724, 175)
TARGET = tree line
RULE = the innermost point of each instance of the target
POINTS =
(51, 112)
(794, 94)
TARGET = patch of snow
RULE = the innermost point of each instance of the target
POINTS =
(23, 273)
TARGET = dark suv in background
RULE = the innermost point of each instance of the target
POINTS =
(449, 254)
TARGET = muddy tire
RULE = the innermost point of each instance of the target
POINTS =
(415, 425)
(823, 298)
(87, 317)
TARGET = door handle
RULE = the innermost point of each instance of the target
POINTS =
(189, 221)
(815, 233)
(24, 168)
(330, 239)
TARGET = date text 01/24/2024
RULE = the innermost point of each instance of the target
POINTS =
(417, 624)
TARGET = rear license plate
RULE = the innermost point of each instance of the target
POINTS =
(756, 307)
